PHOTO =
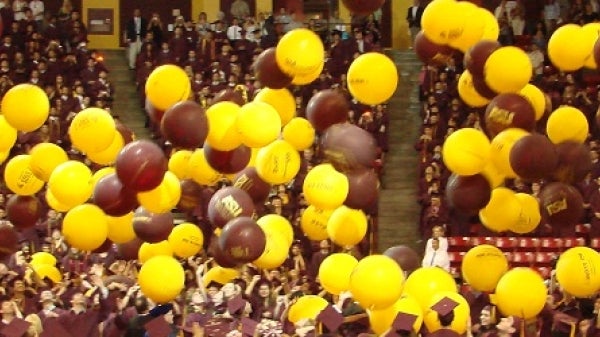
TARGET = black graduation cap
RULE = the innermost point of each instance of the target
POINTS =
(331, 318)
(160, 310)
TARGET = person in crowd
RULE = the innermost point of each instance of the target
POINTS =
(136, 31)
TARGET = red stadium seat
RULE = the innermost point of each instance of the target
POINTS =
(505, 244)
(544, 259)
(581, 230)
(456, 257)
(551, 244)
(458, 243)
(573, 242)
(522, 259)
(595, 243)
(527, 244)
(544, 271)
(478, 240)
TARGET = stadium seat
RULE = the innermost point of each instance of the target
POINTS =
(595, 243)
(458, 243)
(573, 242)
(505, 244)
(551, 244)
(478, 240)
(544, 259)
(456, 257)
(581, 229)
(522, 259)
(527, 244)
(544, 271)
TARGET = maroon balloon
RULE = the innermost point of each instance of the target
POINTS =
(185, 125)
(125, 131)
(229, 203)
(191, 195)
(363, 7)
(267, 71)
(561, 204)
(105, 247)
(534, 157)
(229, 95)
(326, 108)
(9, 240)
(468, 194)
(596, 52)
(348, 147)
(242, 240)
(23, 211)
(219, 255)
(574, 162)
(129, 250)
(154, 114)
(363, 189)
(405, 257)
(483, 89)
(113, 198)
(509, 111)
(477, 55)
(249, 181)
(430, 52)
(227, 162)
(151, 227)
(141, 165)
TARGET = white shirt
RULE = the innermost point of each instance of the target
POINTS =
(234, 33)
(37, 8)
(437, 258)
(552, 11)
(443, 245)
(18, 7)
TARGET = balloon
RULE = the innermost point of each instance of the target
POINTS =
(424, 283)
(376, 282)
(478, 54)
(483, 89)
(85, 227)
(314, 223)
(104, 247)
(109, 155)
(468, 194)
(466, 151)
(101, 173)
(25, 107)
(493, 175)
(55, 204)
(561, 204)
(530, 214)
(179, 164)
(363, 189)
(46, 271)
(186, 240)
(9, 134)
(567, 123)
(163, 198)
(229, 95)
(306, 307)
(4, 155)
(273, 223)
(462, 313)
(278, 162)
(326, 108)
(150, 250)
(185, 125)
(229, 203)
(23, 211)
(509, 110)
(431, 53)
(500, 149)
(299, 133)
(268, 72)
(152, 228)
(503, 210)
(533, 157)
(167, 85)
(9, 240)
(219, 255)
(442, 22)
(483, 266)
(372, 78)
(92, 130)
(154, 114)
(200, 171)
(249, 181)
(227, 162)
(19, 178)
(346, 226)
(113, 198)
(141, 165)
(309, 78)
(325, 187)
(574, 162)
(43, 258)
(129, 250)
(526, 285)
(70, 183)
(161, 279)
(281, 100)
(405, 257)
(468, 93)
(222, 132)
(242, 240)
(590, 31)
(192, 196)
(363, 7)
(120, 229)
(275, 253)
(300, 52)
(125, 131)
(536, 98)
(576, 272)
(567, 49)
(348, 147)
(220, 275)
(335, 271)
(508, 69)
(380, 321)
(472, 30)
(491, 29)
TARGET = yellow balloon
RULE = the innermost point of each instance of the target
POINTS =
(274, 223)
(101, 173)
(536, 97)
(179, 164)
(278, 162)
(473, 26)
(164, 197)
(372, 78)
(530, 214)
(92, 130)
(591, 31)
(299, 133)
(4, 155)
(314, 222)
(186, 240)
(567, 47)
(47, 271)
(483, 266)
(381, 320)
(120, 229)
(423, 283)
(300, 52)
(275, 253)
(8, 134)
(527, 286)
(55, 204)
(567, 124)
(85, 227)
(325, 187)
(281, 99)
(493, 176)
(308, 78)
(335, 271)
(70, 183)
(466, 151)
(167, 85)
(500, 150)
(577, 271)
(150, 250)
(43, 258)
(376, 282)
(25, 107)
(109, 155)
(200, 171)
(222, 132)
(19, 178)
(461, 313)
(491, 30)
(258, 124)
(467, 92)
(306, 307)
(346, 226)
(502, 211)
(161, 279)
(508, 69)
(45, 157)
(442, 22)
(220, 275)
